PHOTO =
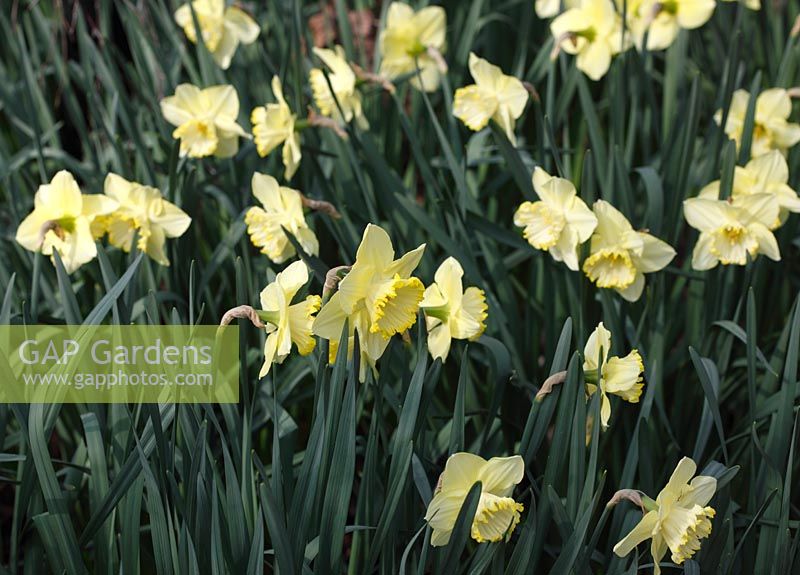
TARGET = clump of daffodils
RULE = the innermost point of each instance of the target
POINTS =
(497, 514)
(273, 125)
(559, 222)
(771, 127)
(412, 40)
(282, 208)
(660, 21)
(494, 96)
(61, 221)
(450, 311)
(142, 212)
(342, 80)
(222, 27)
(620, 256)
(620, 376)
(205, 120)
(378, 297)
(591, 30)
(287, 323)
(677, 521)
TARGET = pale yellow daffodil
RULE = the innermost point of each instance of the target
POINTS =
(378, 296)
(732, 230)
(142, 212)
(771, 127)
(766, 174)
(493, 96)
(620, 255)
(287, 323)
(450, 311)
(661, 21)
(205, 120)
(406, 39)
(497, 514)
(678, 520)
(343, 81)
(593, 31)
(61, 221)
(560, 222)
(222, 27)
(273, 125)
(620, 376)
(282, 208)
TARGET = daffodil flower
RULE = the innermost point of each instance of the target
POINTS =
(287, 323)
(378, 295)
(273, 125)
(493, 96)
(766, 174)
(450, 311)
(620, 376)
(343, 81)
(661, 20)
(61, 221)
(142, 210)
(282, 209)
(620, 256)
(497, 514)
(678, 520)
(222, 28)
(732, 230)
(205, 120)
(771, 127)
(405, 42)
(593, 31)
(559, 222)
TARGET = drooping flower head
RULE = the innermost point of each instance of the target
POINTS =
(142, 212)
(620, 376)
(766, 174)
(559, 222)
(205, 120)
(730, 230)
(287, 323)
(497, 514)
(661, 21)
(273, 125)
(678, 520)
(405, 42)
(61, 221)
(593, 31)
(493, 96)
(282, 208)
(771, 127)
(620, 255)
(222, 27)
(343, 81)
(450, 311)
(378, 296)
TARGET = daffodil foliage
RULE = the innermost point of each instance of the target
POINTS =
(516, 283)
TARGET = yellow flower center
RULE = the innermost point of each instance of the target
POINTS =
(544, 227)
(732, 243)
(684, 528)
(610, 268)
(394, 305)
(198, 137)
(495, 518)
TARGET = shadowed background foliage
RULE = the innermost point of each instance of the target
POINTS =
(313, 472)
